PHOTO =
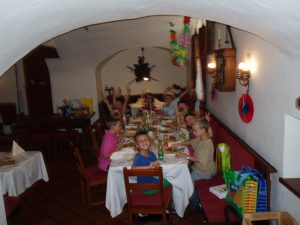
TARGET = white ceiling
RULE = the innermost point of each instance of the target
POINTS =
(95, 43)
(26, 24)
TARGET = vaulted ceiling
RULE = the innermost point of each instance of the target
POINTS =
(25, 25)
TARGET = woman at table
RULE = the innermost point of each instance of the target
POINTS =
(146, 159)
(110, 143)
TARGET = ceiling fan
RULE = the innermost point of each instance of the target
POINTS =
(141, 70)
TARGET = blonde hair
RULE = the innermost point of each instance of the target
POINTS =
(203, 123)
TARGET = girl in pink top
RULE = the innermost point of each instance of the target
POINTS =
(110, 143)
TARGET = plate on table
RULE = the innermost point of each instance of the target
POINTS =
(167, 122)
(129, 135)
(128, 144)
(7, 161)
(166, 130)
(131, 128)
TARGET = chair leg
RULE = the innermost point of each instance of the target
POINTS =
(170, 211)
(130, 218)
(88, 197)
(83, 192)
(165, 218)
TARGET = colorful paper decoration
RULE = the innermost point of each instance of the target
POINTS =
(246, 108)
(179, 49)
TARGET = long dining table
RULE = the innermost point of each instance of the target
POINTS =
(175, 170)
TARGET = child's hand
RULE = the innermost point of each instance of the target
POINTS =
(207, 116)
(119, 146)
(174, 146)
(155, 164)
(180, 155)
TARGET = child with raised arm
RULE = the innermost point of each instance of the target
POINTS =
(110, 143)
(171, 102)
(146, 159)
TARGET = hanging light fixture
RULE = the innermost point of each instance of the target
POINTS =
(141, 70)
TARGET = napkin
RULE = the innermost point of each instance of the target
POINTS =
(123, 155)
(16, 149)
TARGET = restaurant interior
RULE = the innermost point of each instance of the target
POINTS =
(61, 78)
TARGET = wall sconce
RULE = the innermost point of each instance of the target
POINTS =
(243, 73)
(212, 72)
(211, 69)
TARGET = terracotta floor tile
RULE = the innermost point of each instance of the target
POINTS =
(105, 220)
(16, 222)
(63, 216)
(47, 222)
(76, 221)
(33, 217)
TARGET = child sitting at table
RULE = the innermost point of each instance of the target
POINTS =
(110, 143)
(146, 159)
(204, 166)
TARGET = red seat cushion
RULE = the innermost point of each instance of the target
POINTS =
(10, 203)
(141, 199)
(94, 173)
(212, 205)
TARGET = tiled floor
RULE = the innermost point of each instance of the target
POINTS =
(59, 202)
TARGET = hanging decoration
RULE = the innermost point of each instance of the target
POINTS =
(179, 49)
(246, 108)
(198, 69)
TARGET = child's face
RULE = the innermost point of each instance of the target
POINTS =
(182, 105)
(149, 99)
(119, 105)
(190, 120)
(143, 142)
(180, 116)
(198, 131)
(168, 99)
(117, 128)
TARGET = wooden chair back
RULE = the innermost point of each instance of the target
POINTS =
(79, 163)
(283, 218)
(95, 148)
(143, 186)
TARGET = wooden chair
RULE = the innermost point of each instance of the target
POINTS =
(89, 177)
(138, 202)
(283, 218)
(11, 203)
(96, 134)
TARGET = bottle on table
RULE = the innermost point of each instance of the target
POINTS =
(166, 146)
(160, 151)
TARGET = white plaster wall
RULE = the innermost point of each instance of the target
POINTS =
(273, 91)
(116, 74)
(72, 79)
(291, 166)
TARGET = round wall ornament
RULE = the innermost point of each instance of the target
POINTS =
(246, 108)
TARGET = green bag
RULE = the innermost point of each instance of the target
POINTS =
(223, 157)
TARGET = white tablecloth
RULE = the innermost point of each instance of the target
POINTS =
(174, 170)
(16, 178)
(2, 209)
